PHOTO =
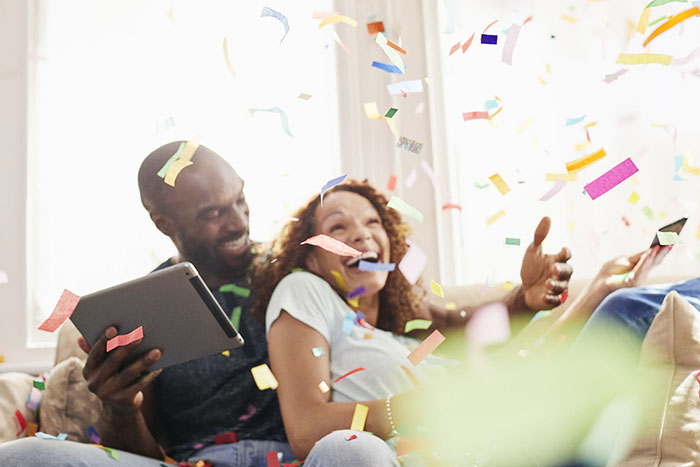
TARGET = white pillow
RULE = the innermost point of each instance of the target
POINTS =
(14, 389)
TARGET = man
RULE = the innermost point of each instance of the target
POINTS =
(185, 407)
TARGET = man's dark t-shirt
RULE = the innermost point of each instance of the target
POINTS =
(199, 399)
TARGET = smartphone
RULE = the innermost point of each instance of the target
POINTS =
(676, 226)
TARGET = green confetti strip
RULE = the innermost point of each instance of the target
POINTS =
(236, 317)
(417, 324)
(317, 351)
(512, 241)
(237, 289)
(39, 385)
(663, 2)
(171, 161)
(658, 20)
(648, 212)
(404, 208)
(391, 112)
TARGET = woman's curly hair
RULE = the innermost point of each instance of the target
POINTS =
(398, 303)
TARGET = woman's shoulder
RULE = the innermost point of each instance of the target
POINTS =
(303, 283)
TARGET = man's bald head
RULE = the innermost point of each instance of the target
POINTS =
(156, 195)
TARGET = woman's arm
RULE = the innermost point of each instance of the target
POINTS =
(307, 412)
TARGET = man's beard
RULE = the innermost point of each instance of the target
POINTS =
(207, 258)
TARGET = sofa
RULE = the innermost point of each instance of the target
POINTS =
(672, 436)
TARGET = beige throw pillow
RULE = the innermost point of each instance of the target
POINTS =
(670, 358)
(14, 389)
(68, 406)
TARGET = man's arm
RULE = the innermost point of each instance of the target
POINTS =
(125, 395)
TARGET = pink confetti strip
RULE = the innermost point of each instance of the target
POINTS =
(611, 178)
(511, 39)
(413, 262)
(558, 186)
(332, 245)
(682, 61)
(468, 43)
(610, 78)
(426, 347)
(64, 308)
(125, 339)
(351, 372)
(475, 116)
(251, 411)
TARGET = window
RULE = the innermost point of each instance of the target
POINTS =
(561, 58)
(111, 81)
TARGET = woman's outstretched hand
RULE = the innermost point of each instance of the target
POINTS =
(544, 277)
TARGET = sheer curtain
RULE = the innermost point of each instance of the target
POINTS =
(561, 58)
(111, 81)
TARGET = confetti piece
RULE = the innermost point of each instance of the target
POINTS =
(393, 55)
(332, 245)
(413, 262)
(264, 378)
(567, 177)
(33, 399)
(611, 178)
(323, 386)
(489, 39)
(408, 445)
(317, 351)
(3, 277)
(190, 148)
(490, 24)
(468, 43)
(668, 238)
(610, 78)
(396, 47)
(40, 385)
(417, 324)
(404, 87)
(63, 310)
(627, 223)
(338, 19)
(682, 61)
(541, 315)
(236, 289)
(687, 167)
(391, 184)
(499, 183)
(409, 145)
(374, 28)
(447, 206)
(649, 213)
(275, 14)
(488, 325)
(236, 316)
(569, 19)
(348, 322)
(372, 111)
(495, 217)
(643, 59)
(491, 104)
(359, 417)
(351, 372)
(357, 292)
(21, 420)
(585, 161)
(229, 65)
(475, 116)
(426, 347)
(272, 459)
(643, 21)
(455, 48)
(330, 184)
(495, 113)
(42, 435)
(92, 434)
(405, 208)
(662, 2)
(512, 241)
(175, 170)
(283, 117)
(658, 20)
(582, 146)
(388, 68)
(673, 21)
(697, 233)
(226, 438)
(304, 96)
(125, 339)
(634, 197)
(350, 438)
(574, 121)
(391, 112)
(32, 428)
(511, 39)
(436, 288)
(370, 266)
(166, 167)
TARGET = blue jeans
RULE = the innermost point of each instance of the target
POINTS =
(628, 313)
(34, 452)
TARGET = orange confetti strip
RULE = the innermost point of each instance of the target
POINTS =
(32, 428)
(64, 309)
(348, 374)
(496, 113)
(672, 22)
(125, 339)
(447, 206)
(395, 47)
(468, 43)
(585, 160)
(426, 347)
(375, 27)
(455, 48)
(491, 24)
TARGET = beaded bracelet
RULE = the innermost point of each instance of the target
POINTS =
(391, 419)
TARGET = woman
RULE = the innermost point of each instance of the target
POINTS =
(315, 336)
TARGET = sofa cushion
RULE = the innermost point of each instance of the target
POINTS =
(14, 389)
(670, 357)
(68, 406)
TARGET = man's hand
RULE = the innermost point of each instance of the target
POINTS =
(544, 277)
(120, 390)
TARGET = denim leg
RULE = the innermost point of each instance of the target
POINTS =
(365, 450)
(244, 453)
(35, 452)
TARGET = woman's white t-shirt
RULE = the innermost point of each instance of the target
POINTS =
(311, 300)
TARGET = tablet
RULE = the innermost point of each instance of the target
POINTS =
(178, 313)
(676, 226)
